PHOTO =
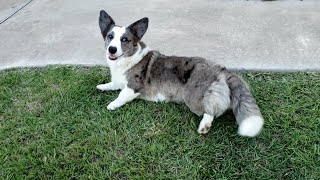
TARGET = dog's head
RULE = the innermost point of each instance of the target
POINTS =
(121, 41)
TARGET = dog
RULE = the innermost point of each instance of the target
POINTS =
(208, 89)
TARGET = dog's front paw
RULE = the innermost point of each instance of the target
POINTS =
(113, 105)
(103, 87)
(204, 128)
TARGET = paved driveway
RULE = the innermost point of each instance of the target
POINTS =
(250, 35)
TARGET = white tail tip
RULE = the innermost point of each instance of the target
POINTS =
(251, 126)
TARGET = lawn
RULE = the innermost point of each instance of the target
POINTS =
(54, 124)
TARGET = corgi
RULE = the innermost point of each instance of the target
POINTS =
(208, 89)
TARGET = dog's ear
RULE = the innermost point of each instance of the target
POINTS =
(105, 23)
(139, 28)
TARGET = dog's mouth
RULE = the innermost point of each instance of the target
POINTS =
(114, 57)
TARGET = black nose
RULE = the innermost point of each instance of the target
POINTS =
(112, 50)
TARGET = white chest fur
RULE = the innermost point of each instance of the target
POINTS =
(117, 75)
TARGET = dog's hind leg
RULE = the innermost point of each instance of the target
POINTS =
(205, 124)
(215, 102)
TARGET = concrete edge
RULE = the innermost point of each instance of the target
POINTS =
(105, 65)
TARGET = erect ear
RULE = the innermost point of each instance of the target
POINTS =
(105, 23)
(139, 28)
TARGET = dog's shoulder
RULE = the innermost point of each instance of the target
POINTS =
(139, 74)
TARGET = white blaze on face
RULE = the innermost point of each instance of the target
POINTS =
(116, 41)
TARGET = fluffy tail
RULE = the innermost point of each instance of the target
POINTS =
(244, 107)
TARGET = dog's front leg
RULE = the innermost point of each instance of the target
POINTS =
(126, 95)
(108, 87)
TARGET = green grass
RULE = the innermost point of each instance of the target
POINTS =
(55, 124)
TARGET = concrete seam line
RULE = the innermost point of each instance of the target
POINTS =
(15, 12)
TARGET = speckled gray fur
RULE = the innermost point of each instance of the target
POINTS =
(202, 85)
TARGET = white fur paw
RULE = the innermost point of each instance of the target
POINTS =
(113, 105)
(105, 87)
(102, 87)
(204, 128)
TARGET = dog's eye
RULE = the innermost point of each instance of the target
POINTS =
(110, 36)
(124, 39)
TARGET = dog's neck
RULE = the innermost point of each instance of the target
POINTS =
(123, 64)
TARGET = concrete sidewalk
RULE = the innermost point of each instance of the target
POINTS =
(251, 35)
